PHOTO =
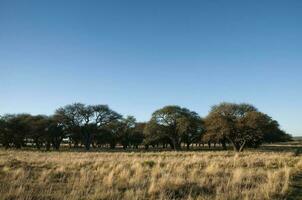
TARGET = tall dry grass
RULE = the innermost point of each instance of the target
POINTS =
(167, 175)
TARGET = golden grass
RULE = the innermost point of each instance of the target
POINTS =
(166, 175)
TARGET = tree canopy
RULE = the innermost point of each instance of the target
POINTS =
(238, 125)
(175, 123)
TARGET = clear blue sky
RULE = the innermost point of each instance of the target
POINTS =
(137, 56)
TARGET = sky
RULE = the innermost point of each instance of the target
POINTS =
(138, 56)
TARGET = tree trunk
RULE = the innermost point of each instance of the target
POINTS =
(37, 143)
(56, 145)
(47, 146)
(174, 144)
(112, 145)
(75, 144)
(223, 144)
(56, 142)
(6, 145)
(242, 146)
(171, 145)
(236, 145)
(177, 145)
(87, 141)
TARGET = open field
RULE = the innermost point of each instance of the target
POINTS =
(162, 175)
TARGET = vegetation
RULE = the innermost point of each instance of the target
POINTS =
(145, 173)
(176, 125)
(242, 125)
(222, 175)
(238, 125)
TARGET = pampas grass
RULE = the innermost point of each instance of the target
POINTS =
(30, 175)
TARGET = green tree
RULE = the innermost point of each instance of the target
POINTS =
(5, 138)
(137, 135)
(241, 124)
(55, 133)
(173, 122)
(126, 129)
(71, 119)
(192, 129)
(153, 135)
(276, 134)
(85, 122)
(14, 130)
(106, 122)
(37, 129)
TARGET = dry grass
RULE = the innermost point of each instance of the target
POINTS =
(166, 175)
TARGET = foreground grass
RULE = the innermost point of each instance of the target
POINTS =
(295, 191)
(166, 175)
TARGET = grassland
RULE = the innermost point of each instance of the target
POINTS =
(162, 175)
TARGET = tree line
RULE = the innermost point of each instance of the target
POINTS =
(93, 126)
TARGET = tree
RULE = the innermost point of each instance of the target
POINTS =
(126, 129)
(193, 129)
(210, 137)
(276, 134)
(23, 129)
(112, 132)
(71, 119)
(153, 135)
(172, 122)
(106, 121)
(85, 122)
(5, 138)
(137, 135)
(54, 133)
(241, 124)
(105, 136)
(14, 129)
(37, 129)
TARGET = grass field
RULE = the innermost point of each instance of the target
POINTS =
(159, 175)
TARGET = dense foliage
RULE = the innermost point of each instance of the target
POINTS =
(238, 125)
(242, 125)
